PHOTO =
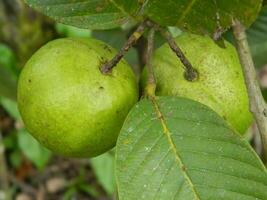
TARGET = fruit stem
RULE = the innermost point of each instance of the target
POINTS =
(257, 103)
(108, 66)
(190, 73)
(151, 83)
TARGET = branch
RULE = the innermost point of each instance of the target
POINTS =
(107, 67)
(190, 73)
(257, 103)
(151, 83)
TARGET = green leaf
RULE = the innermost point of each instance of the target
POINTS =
(104, 169)
(33, 150)
(7, 58)
(70, 194)
(89, 189)
(257, 37)
(8, 85)
(257, 33)
(72, 31)
(210, 16)
(176, 148)
(90, 14)
(8, 77)
(11, 107)
(15, 158)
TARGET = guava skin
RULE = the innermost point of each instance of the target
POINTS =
(67, 104)
(220, 84)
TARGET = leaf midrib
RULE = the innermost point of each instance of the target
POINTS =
(186, 11)
(173, 146)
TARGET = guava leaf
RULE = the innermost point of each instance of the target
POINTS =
(8, 78)
(91, 14)
(103, 167)
(8, 84)
(176, 148)
(257, 37)
(33, 150)
(209, 17)
(257, 33)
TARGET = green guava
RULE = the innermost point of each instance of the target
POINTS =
(67, 104)
(220, 84)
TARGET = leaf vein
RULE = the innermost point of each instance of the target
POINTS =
(172, 145)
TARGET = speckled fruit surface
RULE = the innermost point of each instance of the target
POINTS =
(220, 84)
(67, 104)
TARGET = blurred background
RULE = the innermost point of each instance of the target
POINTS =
(28, 171)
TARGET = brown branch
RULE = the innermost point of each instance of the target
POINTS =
(190, 73)
(257, 103)
(151, 83)
(107, 67)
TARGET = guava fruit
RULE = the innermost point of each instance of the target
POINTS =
(220, 83)
(66, 102)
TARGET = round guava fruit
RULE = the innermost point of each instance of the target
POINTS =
(67, 104)
(220, 83)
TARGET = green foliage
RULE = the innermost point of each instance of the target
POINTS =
(104, 169)
(79, 184)
(11, 107)
(72, 31)
(11, 145)
(175, 148)
(7, 59)
(91, 14)
(257, 37)
(23, 142)
(169, 148)
(257, 32)
(33, 150)
(213, 17)
(210, 16)
(7, 73)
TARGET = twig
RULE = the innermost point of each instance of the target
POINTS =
(151, 83)
(107, 67)
(257, 103)
(190, 73)
(4, 184)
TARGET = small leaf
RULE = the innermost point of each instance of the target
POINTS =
(257, 33)
(7, 58)
(33, 150)
(257, 37)
(90, 14)
(89, 189)
(72, 31)
(11, 107)
(15, 158)
(8, 85)
(176, 148)
(104, 169)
